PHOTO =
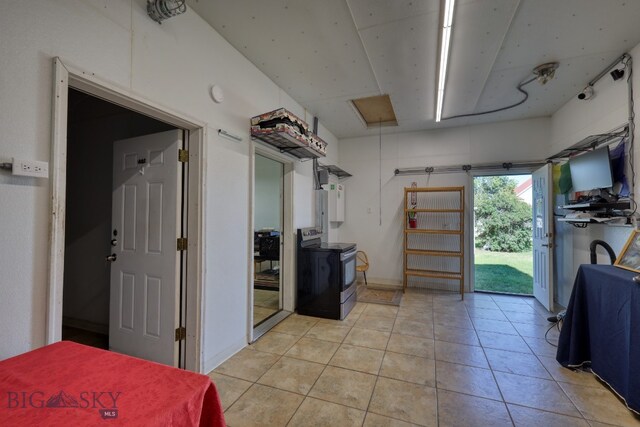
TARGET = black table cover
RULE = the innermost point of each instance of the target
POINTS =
(602, 326)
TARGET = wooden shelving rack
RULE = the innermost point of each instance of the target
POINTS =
(438, 235)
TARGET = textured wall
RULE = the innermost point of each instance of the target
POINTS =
(172, 64)
(382, 239)
(573, 122)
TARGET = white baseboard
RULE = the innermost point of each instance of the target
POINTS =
(85, 325)
(215, 361)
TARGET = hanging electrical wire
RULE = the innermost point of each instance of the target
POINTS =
(542, 73)
(558, 325)
(522, 101)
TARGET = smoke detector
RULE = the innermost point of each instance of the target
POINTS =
(545, 72)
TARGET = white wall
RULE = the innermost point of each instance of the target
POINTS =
(172, 64)
(573, 122)
(381, 237)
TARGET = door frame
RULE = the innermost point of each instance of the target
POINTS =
(471, 197)
(66, 76)
(287, 238)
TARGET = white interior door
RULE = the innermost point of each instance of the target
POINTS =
(145, 275)
(543, 236)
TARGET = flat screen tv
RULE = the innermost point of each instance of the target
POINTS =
(592, 170)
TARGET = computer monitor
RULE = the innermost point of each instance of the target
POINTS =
(591, 170)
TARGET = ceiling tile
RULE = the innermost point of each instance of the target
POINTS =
(475, 44)
(402, 55)
(549, 30)
(309, 48)
(325, 53)
(369, 13)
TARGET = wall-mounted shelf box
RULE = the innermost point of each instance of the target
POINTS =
(592, 206)
(602, 212)
(597, 220)
(335, 170)
(288, 133)
(593, 141)
(286, 143)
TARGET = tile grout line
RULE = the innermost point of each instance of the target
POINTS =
(258, 379)
(323, 370)
(493, 375)
(435, 364)
(384, 354)
(386, 350)
(556, 382)
(304, 397)
(537, 357)
(546, 369)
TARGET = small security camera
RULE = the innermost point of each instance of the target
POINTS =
(587, 93)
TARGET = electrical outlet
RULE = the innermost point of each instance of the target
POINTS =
(30, 168)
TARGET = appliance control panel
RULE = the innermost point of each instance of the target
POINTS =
(311, 233)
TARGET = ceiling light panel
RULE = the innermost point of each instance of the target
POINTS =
(443, 58)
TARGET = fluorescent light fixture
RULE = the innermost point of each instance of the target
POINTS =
(445, 41)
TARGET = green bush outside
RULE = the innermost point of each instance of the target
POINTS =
(502, 220)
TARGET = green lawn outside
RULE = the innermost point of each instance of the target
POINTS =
(510, 272)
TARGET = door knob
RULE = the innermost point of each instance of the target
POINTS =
(547, 245)
(114, 242)
(112, 257)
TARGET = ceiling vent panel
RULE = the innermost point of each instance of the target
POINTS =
(376, 111)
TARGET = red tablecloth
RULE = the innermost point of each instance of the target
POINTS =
(69, 384)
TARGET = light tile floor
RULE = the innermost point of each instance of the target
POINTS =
(433, 361)
(265, 304)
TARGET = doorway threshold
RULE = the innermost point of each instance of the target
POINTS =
(480, 291)
(269, 323)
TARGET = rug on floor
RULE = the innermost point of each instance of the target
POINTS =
(379, 296)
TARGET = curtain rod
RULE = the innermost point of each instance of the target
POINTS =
(468, 168)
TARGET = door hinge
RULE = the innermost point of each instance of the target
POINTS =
(181, 333)
(183, 156)
(181, 244)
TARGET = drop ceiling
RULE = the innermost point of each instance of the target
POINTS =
(325, 53)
